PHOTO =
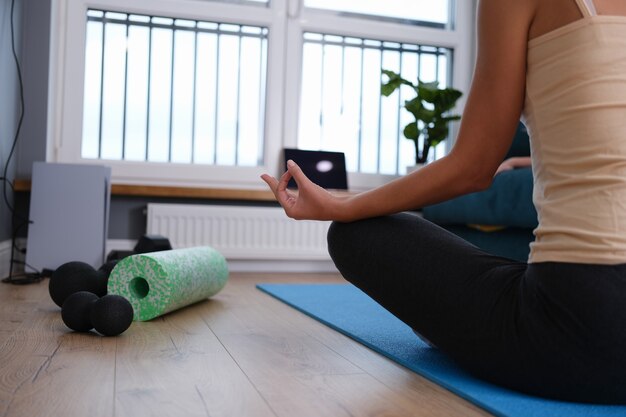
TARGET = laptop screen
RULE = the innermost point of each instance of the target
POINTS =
(326, 169)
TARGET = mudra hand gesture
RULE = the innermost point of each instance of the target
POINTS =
(310, 201)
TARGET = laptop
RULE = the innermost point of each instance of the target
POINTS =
(326, 169)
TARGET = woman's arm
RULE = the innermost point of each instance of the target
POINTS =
(491, 115)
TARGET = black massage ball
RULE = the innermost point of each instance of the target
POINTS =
(72, 277)
(105, 271)
(76, 311)
(111, 315)
(108, 267)
(103, 281)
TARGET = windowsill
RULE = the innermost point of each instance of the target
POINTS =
(174, 192)
(179, 192)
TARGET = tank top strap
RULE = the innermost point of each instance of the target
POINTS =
(587, 8)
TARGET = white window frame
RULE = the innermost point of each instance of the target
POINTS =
(460, 39)
(286, 20)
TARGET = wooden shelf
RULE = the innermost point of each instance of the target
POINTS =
(175, 192)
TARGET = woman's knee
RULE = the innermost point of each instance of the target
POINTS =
(339, 239)
(356, 239)
(346, 244)
(354, 246)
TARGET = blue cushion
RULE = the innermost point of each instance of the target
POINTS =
(508, 202)
(512, 242)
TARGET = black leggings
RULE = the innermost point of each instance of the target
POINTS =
(550, 329)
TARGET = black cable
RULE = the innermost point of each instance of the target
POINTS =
(16, 230)
(21, 119)
(25, 278)
(8, 182)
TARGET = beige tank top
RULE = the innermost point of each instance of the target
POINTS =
(575, 111)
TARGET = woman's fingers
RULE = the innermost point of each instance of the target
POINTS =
(279, 188)
(310, 202)
(296, 172)
(294, 169)
(283, 182)
(271, 182)
(280, 185)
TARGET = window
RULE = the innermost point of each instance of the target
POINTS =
(340, 98)
(172, 90)
(435, 13)
(198, 92)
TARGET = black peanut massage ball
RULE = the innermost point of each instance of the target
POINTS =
(110, 315)
(81, 292)
(76, 311)
(73, 277)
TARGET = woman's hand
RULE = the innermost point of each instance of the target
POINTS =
(310, 202)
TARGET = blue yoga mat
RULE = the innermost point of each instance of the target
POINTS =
(348, 310)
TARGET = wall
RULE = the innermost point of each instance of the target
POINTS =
(35, 49)
(9, 108)
(35, 58)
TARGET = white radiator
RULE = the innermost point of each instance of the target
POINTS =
(240, 232)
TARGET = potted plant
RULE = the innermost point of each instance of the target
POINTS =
(429, 107)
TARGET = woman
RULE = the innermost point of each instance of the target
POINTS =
(555, 326)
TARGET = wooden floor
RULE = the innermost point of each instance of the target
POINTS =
(240, 354)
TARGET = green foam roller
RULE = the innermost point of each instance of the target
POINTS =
(159, 282)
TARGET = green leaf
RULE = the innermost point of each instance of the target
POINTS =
(426, 93)
(414, 106)
(394, 82)
(390, 74)
(437, 133)
(394, 76)
(429, 107)
(388, 88)
(411, 131)
(433, 85)
(446, 99)
(417, 109)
